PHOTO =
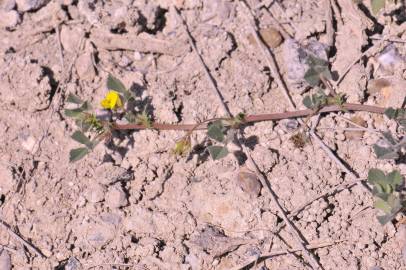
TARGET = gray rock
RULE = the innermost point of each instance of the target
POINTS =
(29, 5)
(73, 264)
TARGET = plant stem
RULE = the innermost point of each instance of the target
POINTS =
(256, 118)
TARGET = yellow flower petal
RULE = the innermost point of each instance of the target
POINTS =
(111, 101)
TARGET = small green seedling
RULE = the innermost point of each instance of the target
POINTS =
(386, 190)
(217, 131)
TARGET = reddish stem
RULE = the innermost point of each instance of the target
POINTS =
(259, 117)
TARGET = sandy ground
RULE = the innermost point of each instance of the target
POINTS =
(132, 204)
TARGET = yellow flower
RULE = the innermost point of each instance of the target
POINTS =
(112, 101)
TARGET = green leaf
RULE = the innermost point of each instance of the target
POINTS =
(377, 190)
(217, 152)
(307, 101)
(377, 5)
(115, 84)
(77, 154)
(317, 67)
(386, 218)
(382, 205)
(73, 112)
(312, 77)
(376, 176)
(80, 137)
(394, 178)
(215, 131)
(388, 136)
(391, 113)
(73, 99)
(385, 153)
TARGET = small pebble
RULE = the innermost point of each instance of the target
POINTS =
(116, 197)
(95, 193)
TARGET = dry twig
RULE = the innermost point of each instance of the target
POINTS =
(24, 242)
(255, 259)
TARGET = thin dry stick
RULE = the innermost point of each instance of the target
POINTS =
(278, 25)
(326, 193)
(357, 125)
(371, 51)
(329, 23)
(337, 12)
(206, 70)
(58, 37)
(300, 239)
(24, 242)
(253, 259)
(389, 39)
(273, 66)
(312, 260)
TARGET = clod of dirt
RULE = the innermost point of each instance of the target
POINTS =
(95, 193)
(116, 197)
(394, 94)
(29, 5)
(358, 134)
(214, 242)
(70, 37)
(5, 260)
(9, 19)
(249, 182)
(7, 5)
(100, 234)
(270, 35)
(84, 67)
(107, 174)
(376, 86)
